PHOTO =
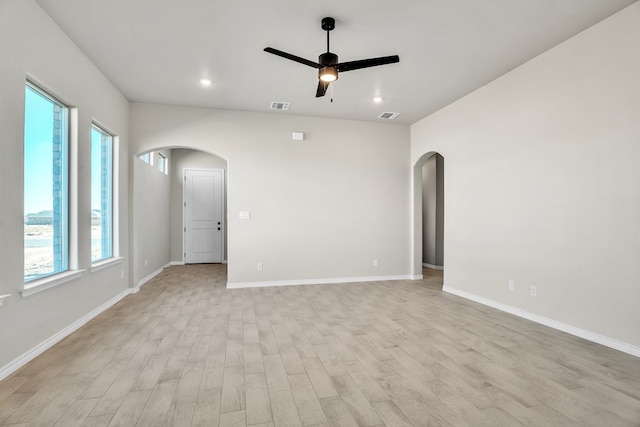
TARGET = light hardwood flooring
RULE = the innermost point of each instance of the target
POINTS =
(185, 351)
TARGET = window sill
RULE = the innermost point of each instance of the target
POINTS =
(100, 265)
(49, 282)
(2, 297)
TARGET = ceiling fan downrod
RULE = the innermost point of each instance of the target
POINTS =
(328, 59)
(328, 24)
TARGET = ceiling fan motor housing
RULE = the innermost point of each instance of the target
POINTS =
(328, 72)
(327, 59)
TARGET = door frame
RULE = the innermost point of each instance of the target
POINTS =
(224, 210)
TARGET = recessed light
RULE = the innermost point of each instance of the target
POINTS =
(205, 82)
(377, 99)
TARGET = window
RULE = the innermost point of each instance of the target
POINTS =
(46, 174)
(101, 194)
(162, 163)
(157, 159)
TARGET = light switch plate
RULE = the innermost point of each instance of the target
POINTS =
(244, 215)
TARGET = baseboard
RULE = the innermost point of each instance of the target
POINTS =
(224, 261)
(433, 266)
(27, 357)
(238, 285)
(150, 276)
(587, 335)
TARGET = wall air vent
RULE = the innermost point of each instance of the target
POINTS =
(280, 105)
(388, 116)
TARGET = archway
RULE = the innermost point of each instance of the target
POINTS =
(157, 202)
(428, 216)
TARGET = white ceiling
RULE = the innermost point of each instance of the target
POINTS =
(157, 50)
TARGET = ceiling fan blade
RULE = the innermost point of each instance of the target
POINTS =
(322, 88)
(365, 63)
(292, 57)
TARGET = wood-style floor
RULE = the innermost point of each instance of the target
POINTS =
(185, 351)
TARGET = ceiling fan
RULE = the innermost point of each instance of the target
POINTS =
(328, 65)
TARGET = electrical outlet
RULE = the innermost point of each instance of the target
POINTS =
(145, 262)
(512, 285)
(259, 266)
(534, 291)
(376, 262)
(122, 274)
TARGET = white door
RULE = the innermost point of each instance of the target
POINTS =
(203, 215)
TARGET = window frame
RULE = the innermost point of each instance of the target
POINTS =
(162, 163)
(64, 201)
(145, 157)
(112, 252)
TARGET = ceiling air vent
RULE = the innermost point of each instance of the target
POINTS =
(388, 116)
(280, 105)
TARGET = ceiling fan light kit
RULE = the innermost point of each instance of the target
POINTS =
(328, 74)
(328, 65)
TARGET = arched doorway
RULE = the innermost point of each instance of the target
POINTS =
(428, 218)
(157, 205)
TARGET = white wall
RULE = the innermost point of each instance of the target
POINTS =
(182, 159)
(542, 182)
(31, 44)
(323, 208)
(151, 219)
